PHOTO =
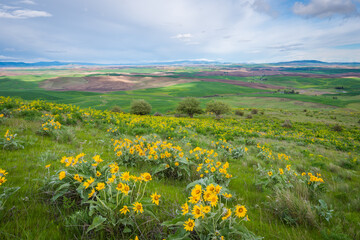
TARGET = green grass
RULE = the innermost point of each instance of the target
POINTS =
(329, 84)
(196, 89)
(33, 217)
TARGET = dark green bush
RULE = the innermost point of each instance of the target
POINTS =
(140, 107)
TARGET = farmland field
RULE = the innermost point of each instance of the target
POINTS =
(283, 163)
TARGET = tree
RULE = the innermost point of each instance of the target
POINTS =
(189, 106)
(140, 107)
(217, 108)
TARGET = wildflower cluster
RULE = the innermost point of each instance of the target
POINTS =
(224, 128)
(207, 213)
(267, 154)
(168, 158)
(217, 171)
(8, 136)
(10, 142)
(200, 155)
(49, 126)
(114, 196)
(3, 174)
(222, 144)
(114, 131)
(287, 177)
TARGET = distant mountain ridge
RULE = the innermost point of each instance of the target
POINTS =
(314, 63)
(40, 64)
(176, 62)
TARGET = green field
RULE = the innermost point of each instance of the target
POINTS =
(166, 98)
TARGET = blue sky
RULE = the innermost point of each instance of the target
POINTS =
(132, 31)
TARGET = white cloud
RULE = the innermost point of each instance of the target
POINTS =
(183, 36)
(28, 2)
(2, 57)
(264, 6)
(325, 8)
(23, 13)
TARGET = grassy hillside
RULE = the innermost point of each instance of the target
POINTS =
(166, 98)
(296, 173)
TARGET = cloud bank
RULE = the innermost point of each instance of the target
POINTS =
(325, 8)
(123, 31)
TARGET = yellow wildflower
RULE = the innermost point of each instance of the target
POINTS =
(100, 186)
(189, 225)
(227, 214)
(91, 193)
(62, 175)
(240, 211)
(125, 176)
(155, 198)
(124, 210)
(185, 208)
(138, 207)
(197, 211)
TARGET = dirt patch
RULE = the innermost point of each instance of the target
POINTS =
(108, 83)
(313, 92)
(351, 77)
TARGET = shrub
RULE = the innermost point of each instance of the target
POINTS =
(5, 112)
(64, 136)
(115, 201)
(217, 108)
(189, 106)
(239, 113)
(287, 124)
(140, 107)
(10, 142)
(157, 114)
(337, 128)
(239, 152)
(49, 127)
(292, 209)
(249, 116)
(116, 109)
(254, 111)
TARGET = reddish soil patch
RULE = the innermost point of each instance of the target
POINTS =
(109, 83)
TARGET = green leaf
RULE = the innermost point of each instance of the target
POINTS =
(160, 168)
(127, 230)
(180, 234)
(63, 186)
(178, 221)
(97, 222)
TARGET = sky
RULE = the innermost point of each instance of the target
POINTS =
(142, 31)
